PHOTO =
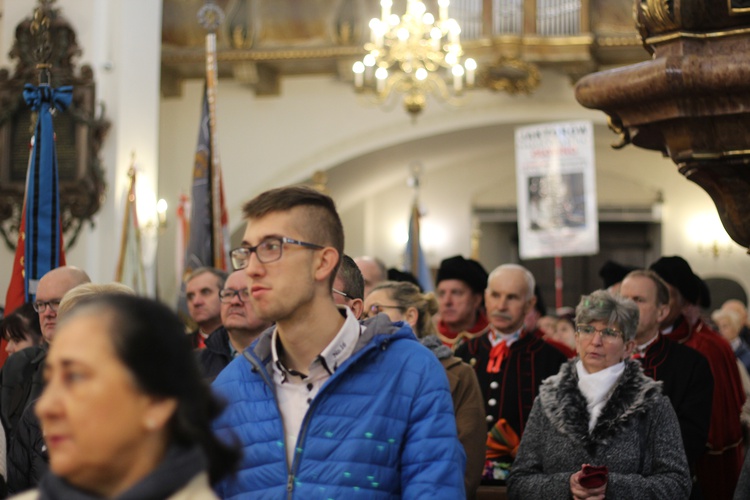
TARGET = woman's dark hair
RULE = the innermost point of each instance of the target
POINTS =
(150, 341)
(22, 324)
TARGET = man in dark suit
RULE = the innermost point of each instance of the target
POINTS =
(510, 361)
(684, 372)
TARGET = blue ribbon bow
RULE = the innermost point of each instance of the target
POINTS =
(43, 243)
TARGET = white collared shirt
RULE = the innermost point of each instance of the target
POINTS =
(641, 349)
(295, 392)
(509, 338)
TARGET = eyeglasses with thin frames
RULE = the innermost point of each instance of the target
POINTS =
(228, 294)
(42, 305)
(268, 250)
(343, 294)
(376, 309)
(608, 334)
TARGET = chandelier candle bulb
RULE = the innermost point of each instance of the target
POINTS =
(359, 74)
(458, 77)
(443, 9)
(471, 67)
(380, 76)
(386, 9)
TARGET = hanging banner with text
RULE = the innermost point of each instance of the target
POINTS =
(555, 174)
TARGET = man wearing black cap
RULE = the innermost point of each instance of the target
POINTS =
(460, 287)
(612, 273)
(719, 469)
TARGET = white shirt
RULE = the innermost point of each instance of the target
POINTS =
(641, 349)
(295, 392)
(509, 338)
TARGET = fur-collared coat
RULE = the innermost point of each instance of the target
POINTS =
(636, 436)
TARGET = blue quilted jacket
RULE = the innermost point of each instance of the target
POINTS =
(382, 427)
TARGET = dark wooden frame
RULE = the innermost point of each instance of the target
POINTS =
(80, 131)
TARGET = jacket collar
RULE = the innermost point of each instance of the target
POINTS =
(565, 406)
(380, 329)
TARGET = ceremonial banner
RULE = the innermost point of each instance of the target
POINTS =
(414, 261)
(130, 269)
(40, 245)
(556, 182)
(40, 242)
(208, 234)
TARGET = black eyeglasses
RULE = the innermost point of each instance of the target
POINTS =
(268, 250)
(228, 294)
(42, 305)
(377, 309)
(608, 334)
(343, 294)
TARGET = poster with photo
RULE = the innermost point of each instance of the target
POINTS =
(555, 177)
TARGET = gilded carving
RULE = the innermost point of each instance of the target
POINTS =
(658, 15)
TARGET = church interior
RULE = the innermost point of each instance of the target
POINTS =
(289, 110)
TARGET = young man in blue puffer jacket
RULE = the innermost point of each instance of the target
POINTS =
(323, 406)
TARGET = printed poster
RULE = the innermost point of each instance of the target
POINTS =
(556, 182)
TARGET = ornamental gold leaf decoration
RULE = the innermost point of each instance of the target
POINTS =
(658, 16)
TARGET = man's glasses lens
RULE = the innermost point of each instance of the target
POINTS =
(268, 250)
(42, 306)
(227, 295)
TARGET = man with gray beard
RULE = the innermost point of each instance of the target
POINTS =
(509, 361)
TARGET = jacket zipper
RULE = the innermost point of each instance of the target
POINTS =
(291, 473)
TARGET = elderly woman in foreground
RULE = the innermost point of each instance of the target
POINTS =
(125, 412)
(601, 428)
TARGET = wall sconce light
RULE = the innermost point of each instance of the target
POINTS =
(161, 213)
(708, 234)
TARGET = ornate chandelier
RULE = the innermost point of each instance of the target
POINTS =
(415, 55)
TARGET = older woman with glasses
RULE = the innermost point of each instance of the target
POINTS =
(402, 301)
(600, 427)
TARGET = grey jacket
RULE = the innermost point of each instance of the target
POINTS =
(636, 436)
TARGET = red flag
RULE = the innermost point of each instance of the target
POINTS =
(16, 294)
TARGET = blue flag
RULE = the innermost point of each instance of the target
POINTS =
(43, 238)
(414, 261)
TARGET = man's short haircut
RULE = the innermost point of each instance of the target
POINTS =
(321, 224)
(354, 282)
(528, 277)
(662, 289)
(220, 275)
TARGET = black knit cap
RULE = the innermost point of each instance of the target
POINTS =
(677, 272)
(469, 271)
(396, 275)
(613, 272)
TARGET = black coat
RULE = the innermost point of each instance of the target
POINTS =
(28, 459)
(216, 355)
(21, 382)
(687, 382)
(510, 393)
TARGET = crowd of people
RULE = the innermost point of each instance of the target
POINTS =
(311, 374)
